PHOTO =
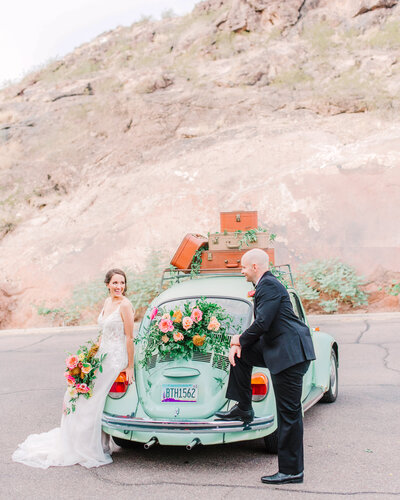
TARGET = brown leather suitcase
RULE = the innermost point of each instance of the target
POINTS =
(235, 221)
(232, 241)
(184, 255)
(225, 260)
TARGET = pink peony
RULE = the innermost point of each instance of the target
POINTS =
(166, 325)
(196, 315)
(213, 324)
(82, 388)
(178, 336)
(153, 313)
(187, 322)
(70, 378)
(72, 361)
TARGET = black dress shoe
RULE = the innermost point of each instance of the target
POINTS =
(235, 413)
(281, 478)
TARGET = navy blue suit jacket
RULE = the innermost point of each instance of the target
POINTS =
(284, 339)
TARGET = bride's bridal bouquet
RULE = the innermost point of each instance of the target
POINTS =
(81, 372)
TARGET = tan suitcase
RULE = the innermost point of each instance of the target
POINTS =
(224, 260)
(236, 241)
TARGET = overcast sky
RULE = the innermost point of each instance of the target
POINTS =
(33, 32)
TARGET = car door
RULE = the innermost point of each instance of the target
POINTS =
(307, 379)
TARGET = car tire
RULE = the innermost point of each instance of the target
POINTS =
(332, 393)
(271, 443)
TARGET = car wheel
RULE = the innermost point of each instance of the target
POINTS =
(271, 442)
(124, 443)
(331, 394)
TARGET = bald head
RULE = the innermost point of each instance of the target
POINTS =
(258, 257)
(255, 263)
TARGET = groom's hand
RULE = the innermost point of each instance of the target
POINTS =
(235, 350)
(235, 340)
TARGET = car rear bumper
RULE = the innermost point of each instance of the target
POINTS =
(131, 423)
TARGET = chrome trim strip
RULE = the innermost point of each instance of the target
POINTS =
(314, 398)
(128, 423)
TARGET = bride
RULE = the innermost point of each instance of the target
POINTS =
(80, 439)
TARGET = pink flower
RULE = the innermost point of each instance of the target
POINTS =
(166, 325)
(178, 336)
(196, 315)
(153, 313)
(82, 388)
(213, 324)
(72, 361)
(70, 378)
(251, 293)
(187, 322)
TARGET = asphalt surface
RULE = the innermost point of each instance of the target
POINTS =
(352, 447)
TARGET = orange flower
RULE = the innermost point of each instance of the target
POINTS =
(199, 340)
(177, 316)
(187, 322)
(213, 324)
(178, 336)
(75, 371)
(165, 338)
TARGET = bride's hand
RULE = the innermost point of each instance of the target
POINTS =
(130, 375)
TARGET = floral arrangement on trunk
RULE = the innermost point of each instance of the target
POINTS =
(81, 372)
(201, 327)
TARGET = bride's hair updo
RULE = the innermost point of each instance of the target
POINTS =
(111, 273)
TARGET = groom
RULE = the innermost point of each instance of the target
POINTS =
(278, 340)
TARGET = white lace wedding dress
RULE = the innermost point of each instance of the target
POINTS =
(79, 439)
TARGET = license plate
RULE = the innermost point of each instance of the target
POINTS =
(179, 393)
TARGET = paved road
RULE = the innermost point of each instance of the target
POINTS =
(351, 446)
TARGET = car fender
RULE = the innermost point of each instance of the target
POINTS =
(323, 344)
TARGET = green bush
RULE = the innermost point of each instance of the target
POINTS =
(330, 283)
(87, 298)
(394, 288)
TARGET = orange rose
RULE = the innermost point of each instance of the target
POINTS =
(199, 340)
(187, 322)
(165, 338)
(177, 316)
(178, 336)
(214, 324)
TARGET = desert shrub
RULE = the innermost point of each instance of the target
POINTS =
(394, 288)
(319, 35)
(330, 283)
(86, 298)
(388, 36)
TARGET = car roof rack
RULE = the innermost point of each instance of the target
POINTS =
(173, 275)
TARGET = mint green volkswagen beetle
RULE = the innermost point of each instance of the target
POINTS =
(175, 397)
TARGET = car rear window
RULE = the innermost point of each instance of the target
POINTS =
(240, 310)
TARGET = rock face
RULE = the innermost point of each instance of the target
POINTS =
(146, 133)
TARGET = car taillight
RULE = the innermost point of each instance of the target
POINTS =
(119, 387)
(259, 386)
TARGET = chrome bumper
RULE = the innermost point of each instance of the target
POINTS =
(130, 423)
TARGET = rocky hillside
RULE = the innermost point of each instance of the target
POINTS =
(289, 107)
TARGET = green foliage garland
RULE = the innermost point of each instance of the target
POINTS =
(179, 333)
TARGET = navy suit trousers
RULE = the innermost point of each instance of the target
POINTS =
(288, 388)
